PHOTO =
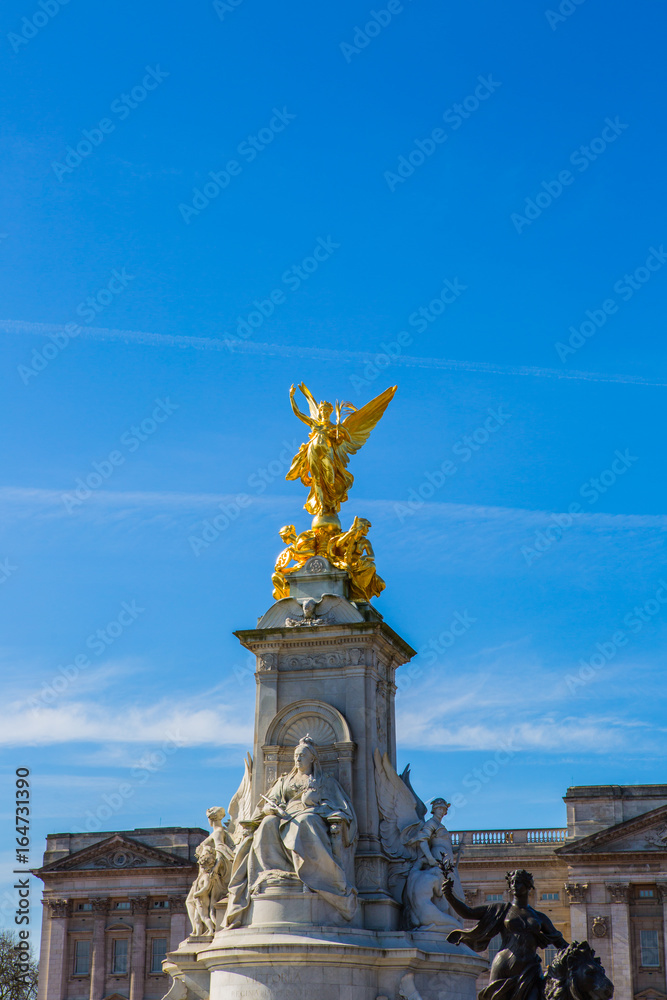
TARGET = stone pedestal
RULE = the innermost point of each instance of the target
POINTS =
(325, 668)
(325, 964)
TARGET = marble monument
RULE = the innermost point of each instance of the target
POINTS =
(325, 879)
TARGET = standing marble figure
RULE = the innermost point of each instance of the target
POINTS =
(293, 831)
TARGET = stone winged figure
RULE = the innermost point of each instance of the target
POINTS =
(423, 846)
(321, 462)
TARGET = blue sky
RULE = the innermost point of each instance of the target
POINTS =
(200, 208)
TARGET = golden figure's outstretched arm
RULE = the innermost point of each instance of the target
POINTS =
(297, 412)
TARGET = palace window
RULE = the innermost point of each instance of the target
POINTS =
(82, 958)
(123, 905)
(549, 954)
(650, 949)
(158, 953)
(160, 904)
(494, 897)
(84, 906)
(119, 957)
(550, 895)
(646, 894)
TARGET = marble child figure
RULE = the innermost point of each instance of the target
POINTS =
(214, 857)
(302, 830)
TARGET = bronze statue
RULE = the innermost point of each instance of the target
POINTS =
(516, 971)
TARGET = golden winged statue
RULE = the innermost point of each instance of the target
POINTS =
(321, 462)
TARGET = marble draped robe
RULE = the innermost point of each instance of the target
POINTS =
(300, 844)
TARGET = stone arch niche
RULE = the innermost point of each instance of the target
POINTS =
(328, 729)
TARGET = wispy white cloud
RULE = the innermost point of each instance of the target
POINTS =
(231, 346)
(79, 722)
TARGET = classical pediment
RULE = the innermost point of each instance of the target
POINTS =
(643, 834)
(116, 853)
(650, 994)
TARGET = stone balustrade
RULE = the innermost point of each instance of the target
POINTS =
(495, 838)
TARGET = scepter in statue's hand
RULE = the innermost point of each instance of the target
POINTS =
(447, 868)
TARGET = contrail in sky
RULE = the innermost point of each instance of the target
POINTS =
(235, 346)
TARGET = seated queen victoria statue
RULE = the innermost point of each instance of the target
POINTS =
(305, 830)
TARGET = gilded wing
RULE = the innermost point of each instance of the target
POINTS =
(360, 423)
(312, 405)
(240, 806)
(398, 809)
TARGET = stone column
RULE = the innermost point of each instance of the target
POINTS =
(138, 952)
(662, 893)
(576, 894)
(621, 949)
(54, 967)
(98, 958)
(177, 924)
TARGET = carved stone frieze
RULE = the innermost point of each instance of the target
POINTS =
(576, 891)
(661, 889)
(267, 661)
(139, 904)
(120, 859)
(176, 904)
(370, 874)
(471, 895)
(599, 927)
(101, 905)
(618, 891)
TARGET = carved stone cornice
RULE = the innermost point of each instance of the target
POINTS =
(101, 905)
(57, 908)
(576, 891)
(176, 904)
(618, 891)
(139, 904)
